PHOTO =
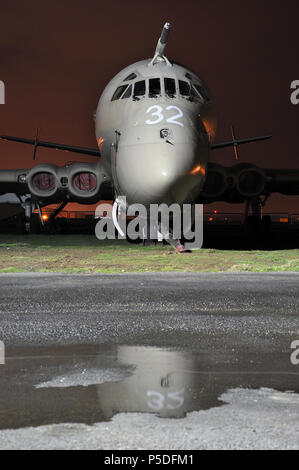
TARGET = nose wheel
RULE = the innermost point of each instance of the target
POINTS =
(175, 243)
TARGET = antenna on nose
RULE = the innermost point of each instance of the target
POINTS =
(161, 45)
(163, 40)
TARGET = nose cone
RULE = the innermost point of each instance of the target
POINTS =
(150, 169)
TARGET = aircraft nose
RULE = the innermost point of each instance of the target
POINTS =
(160, 172)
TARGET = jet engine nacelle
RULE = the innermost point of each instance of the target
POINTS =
(238, 183)
(249, 179)
(216, 182)
(80, 182)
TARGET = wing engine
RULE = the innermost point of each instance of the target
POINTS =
(48, 183)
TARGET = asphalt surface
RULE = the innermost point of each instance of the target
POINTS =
(149, 361)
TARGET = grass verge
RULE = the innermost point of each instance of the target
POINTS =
(85, 254)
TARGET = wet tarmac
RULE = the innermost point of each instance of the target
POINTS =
(186, 361)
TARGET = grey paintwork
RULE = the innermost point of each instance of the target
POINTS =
(145, 167)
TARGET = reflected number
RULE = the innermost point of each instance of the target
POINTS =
(172, 401)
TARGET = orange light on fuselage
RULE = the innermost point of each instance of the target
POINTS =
(210, 128)
(100, 143)
(198, 169)
(45, 217)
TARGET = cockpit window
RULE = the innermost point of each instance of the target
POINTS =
(184, 88)
(127, 93)
(154, 87)
(118, 92)
(198, 89)
(202, 92)
(130, 77)
(195, 94)
(169, 85)
(139, 89)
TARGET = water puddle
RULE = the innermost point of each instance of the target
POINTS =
(92, 383)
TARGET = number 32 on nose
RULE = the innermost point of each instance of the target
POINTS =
(157, 113)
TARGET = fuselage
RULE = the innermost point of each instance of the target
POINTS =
(154, 125)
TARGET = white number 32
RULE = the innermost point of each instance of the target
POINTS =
(157, 112)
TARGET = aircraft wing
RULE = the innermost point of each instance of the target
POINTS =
(235, 142)
(41, 143)
(47, 183)
(282, 181)
(13, 182)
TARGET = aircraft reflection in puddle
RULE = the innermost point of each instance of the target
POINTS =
(165, 382)
(92, 383)
(89, 384)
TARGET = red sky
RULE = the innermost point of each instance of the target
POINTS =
(56, 57)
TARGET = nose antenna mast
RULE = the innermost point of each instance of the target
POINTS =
(161, 45)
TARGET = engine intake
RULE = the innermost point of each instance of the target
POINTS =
(85, 181)
(42, 181)
(80, 182)
(250, 180)
(216, 182)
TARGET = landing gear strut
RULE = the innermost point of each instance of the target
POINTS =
(28, 204)
(257, 223)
